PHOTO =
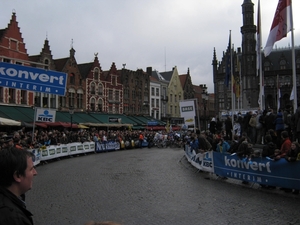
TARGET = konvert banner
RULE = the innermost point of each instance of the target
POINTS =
(32, 79)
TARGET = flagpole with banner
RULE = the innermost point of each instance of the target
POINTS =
(232, 84)
(278, 94)
(282, 24)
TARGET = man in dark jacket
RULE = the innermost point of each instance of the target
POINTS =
(16, 172)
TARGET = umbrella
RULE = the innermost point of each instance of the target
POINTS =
(9, 122)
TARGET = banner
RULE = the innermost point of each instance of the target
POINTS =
(188, 112)
(202, 161)
(280, 173)
(109, 146)
(45, 115)
(32, 79)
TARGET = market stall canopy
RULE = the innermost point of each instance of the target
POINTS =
(9, 122)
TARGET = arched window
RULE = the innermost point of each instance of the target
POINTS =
(93, 104)
(100, 105)
(100, 90)
(92, 88)
(96, 74)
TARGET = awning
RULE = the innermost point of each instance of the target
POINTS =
(9, 122)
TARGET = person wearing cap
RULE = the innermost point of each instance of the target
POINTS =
(16, 172)
(7, 142)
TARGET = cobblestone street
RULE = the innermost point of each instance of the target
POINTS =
(149, 186)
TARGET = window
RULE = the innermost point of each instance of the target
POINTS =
(23, 97)
(52, 101)
(267, 66)
(100, 105)
(175, 109)
(46, 62)
(12, 95)
(96, 74)
(157, 91)
(175, 98)
(14, 45)
(45, 100)
(110, 95)
(80, 99)
(71, 99)
(114, 80)
(93, 105)
(100, 89)
(152, 102)
(126, 93)
(1, 94)
(72, 78)
(157, 103)
(117, 96)
(282, 64)
(152, 91)
(93, 88)
(171, 96)
(63, 101)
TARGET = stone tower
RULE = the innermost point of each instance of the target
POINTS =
(250, 80)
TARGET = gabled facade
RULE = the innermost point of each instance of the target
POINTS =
(45, 61)
(112, 90)
(187, 86)
(136, 87)
(13, 50)
(75, 93)
(94, 98)
(175, 95)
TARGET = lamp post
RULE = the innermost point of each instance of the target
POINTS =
(71, 111)
(204, 99)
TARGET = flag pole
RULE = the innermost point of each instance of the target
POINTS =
(259, 59)
(293, 62)
(232, 80)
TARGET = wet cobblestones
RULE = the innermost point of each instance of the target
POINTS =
(150, 186)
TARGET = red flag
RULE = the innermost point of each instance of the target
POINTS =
(282, 24)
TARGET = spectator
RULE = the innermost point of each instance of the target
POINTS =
(16, 172)
(297, 123)
(223, 146)
(219, 125)
(286, 145)
(279, 127)
(252, 128)
(213, 126)
(228, 128)
(269, 148)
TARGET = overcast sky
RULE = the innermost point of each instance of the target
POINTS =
(141, 33)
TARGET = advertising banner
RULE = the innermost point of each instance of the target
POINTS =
(280, 173)
(188, 112)
(32, 79)
(45, 115)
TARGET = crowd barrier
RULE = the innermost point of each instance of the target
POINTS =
(280, 173)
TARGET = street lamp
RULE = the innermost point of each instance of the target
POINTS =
(204, 95)
(71, 111)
